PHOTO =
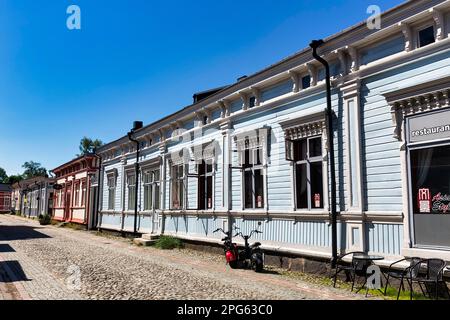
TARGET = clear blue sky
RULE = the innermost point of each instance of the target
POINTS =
(136, 60)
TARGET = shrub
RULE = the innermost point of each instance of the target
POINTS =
(45, 219)
(168, 243)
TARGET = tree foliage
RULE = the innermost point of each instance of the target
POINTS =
(87, 145)
(33, 169)
(3, 176)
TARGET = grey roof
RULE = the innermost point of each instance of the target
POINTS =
(5, 187)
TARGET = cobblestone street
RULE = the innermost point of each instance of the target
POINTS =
(43, 263)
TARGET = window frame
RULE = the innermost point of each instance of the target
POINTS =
(76, 196)
(252, 168)
(130, 199)
(422, 28)
(181, 179)
(152, 183)
(308, 161)
(111, 190)
(205, 176)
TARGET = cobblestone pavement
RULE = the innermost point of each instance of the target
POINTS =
(44, 263)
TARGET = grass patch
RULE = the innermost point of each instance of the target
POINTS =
(168, 243)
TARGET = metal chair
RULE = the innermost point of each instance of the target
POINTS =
(360, 270)
(342, 265)
(401, 274)
(433, 277)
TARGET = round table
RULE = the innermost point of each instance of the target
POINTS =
(370, 257)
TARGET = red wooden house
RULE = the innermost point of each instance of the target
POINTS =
(5, 198)
(75, 195)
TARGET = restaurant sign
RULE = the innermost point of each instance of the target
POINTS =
(429, 127)
(438, 203)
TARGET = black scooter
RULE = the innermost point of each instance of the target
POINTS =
(251, 255)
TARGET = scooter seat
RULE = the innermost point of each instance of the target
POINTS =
(256, 244)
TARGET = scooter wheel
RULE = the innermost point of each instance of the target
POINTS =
(233, 264)
(257, 263)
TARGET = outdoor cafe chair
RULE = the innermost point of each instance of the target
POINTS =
(342, 265)
(412, 269)
(434, 270)
(359, 269)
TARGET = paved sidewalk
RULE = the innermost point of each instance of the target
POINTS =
(41, 260)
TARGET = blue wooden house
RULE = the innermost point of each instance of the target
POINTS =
(254, 154)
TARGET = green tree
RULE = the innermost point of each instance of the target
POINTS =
(3, 176)
(15, 178)
(87, 145)
(33, 169)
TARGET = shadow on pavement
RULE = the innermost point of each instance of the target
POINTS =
(11, 271)
(6, 248)
(15, 232)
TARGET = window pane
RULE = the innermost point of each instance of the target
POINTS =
(316, 185)
(315, 147)
(201, 193)
(259, 156)
(426, 36)
(148, 197)
(252, 102)
(247, 158)
(259, 189)
(157, 196)
(248, 189)
(300, 150)
(301, 186)
(156, 175)
(209, 192)
(430, 175)
(209, 168)
(306, 82)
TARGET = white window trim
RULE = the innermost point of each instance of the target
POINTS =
(266, 131)
(153, 183)
(324, 179)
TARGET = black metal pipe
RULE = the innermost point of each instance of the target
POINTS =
(136, 165)
(99, 182)
(314, 45)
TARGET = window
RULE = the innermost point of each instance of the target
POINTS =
(426, 36)
(111, 191)
(253, 177)
(83, 193)
(151, 180)
(306, 82)
(76, 202)
(252, 102)
(205, 185)
(131, 186)
(430, 177)
(177, 180)
(307, 157)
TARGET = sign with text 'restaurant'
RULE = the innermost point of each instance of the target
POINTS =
(429, 126)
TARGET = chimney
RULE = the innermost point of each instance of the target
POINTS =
(241, 78)
(137, 125)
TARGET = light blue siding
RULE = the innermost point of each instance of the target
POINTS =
(236, 105)
(193, 226)
(306, 233)
(384, 238)
(381, 151)
(276, 90)
(384, 49)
